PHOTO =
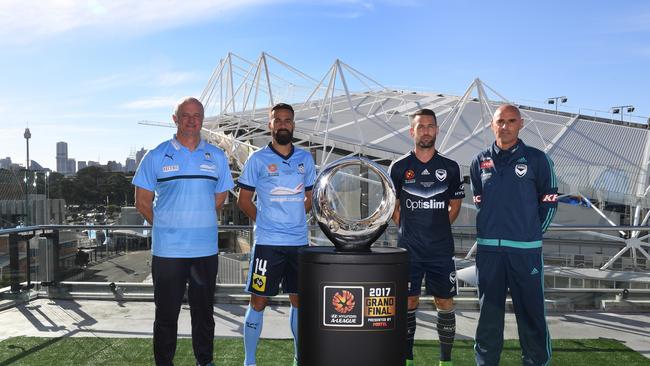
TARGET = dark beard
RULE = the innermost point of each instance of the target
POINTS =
(283, 137)
(427, 145)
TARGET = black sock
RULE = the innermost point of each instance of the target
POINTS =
(410, 333)
(446, 332)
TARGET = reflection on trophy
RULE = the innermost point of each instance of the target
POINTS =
(352, 297)
(353, 201)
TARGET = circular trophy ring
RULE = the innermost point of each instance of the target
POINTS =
(351, 234)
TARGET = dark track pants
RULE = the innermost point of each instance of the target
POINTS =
(522, 271)
(170, 276)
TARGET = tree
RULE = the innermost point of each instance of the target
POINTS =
(92, 185)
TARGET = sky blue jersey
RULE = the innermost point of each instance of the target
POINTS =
(280, 182)
(184, 210)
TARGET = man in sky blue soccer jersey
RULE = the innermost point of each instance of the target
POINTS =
(282, 176)
(515, 192)
(179, 187)
(429, 195)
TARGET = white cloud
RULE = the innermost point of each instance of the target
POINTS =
(174, 78)
(149, 77)
(27, 21)
(152, 103)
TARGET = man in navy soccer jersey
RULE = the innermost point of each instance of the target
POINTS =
(282, 176)
(515, 192)
(179, 187)
(429, 195)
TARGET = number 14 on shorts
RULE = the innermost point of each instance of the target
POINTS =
(259, 275)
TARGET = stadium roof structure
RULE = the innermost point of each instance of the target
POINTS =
(349, 113)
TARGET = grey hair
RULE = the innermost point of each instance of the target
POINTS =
(185, 100)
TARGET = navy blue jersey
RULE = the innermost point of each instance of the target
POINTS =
(515, 192)
(424, 191)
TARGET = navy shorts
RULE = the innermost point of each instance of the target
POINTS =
(271, 265)
(439, 278)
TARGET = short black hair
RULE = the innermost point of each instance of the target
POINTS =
(283, 106)
(424, 112)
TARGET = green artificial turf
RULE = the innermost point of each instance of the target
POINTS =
(138, 351)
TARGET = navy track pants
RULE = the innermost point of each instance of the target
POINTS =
(521, 271)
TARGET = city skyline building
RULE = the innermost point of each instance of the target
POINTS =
(5, 163)
(72, 167)
(62, 157)
(130, 165)
(139, 155)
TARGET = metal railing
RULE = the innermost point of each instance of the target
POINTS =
(48, 255)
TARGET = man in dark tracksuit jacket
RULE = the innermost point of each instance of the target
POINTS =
(515, 191)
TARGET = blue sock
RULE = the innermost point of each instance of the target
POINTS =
(293, 319)
(252, 330)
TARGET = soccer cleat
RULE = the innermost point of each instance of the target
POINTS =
(445, 363)
(409, 363)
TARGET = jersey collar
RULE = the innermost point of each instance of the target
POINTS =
(280, 155)
(513, 149)
(435, 155)
(177, 145)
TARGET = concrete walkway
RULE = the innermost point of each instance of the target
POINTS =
(95, 318)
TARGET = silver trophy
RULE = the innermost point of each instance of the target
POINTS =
(353, 200)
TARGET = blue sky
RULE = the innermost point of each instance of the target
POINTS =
(86, 72)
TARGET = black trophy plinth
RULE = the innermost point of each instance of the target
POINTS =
(353, 307)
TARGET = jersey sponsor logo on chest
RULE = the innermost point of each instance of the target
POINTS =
(170, 168)
(430, 204)
(208, 167)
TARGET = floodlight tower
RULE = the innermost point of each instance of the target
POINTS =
(556, 101)
(620, 108)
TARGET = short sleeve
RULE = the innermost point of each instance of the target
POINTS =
(145, 175)
(310, 173)
(225, 179)
(248, 178)
(457, 187)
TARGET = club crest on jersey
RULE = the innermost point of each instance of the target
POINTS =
(521, 170)
(207, 156)
(410, 174)
(441, 174)
(272, 168)
(301, 168)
